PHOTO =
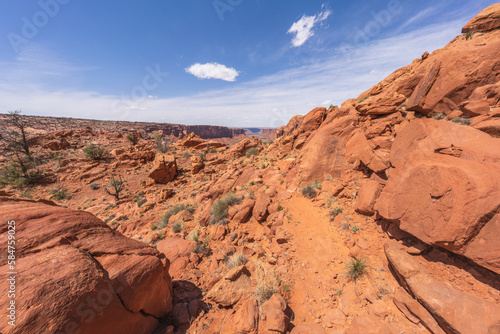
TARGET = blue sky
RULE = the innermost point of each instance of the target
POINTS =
(242, 63)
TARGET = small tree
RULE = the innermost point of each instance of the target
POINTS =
(15, 145)
(117, 185)
(14, 138)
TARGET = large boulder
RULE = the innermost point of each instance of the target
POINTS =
(191, 140)
(445, 188)
(75, 274)
(164, 169)
(487, 20)
(455, 311)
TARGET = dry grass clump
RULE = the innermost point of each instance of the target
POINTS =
(236, 260)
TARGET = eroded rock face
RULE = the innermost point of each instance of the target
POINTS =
(75, 273)
(445, 189)
(454, 310)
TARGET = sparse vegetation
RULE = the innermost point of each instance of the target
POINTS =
(316, 184)
(309, 192)
(355, 228)
(355, 268)
(161, 144)
(219, 208)
(117, 186)
(173, 211)
(178, 227)
(335, 211)
(252, 151)
(439, 116)
(268, 282)
(94, 152)
(194, 236)
(94, 186)
(236, 260)
(133, 138)
(140, 198)
(59, 193)
(462, 121)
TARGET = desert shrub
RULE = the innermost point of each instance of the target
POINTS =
(132, 138)
(178, 227)
(202, 247)
(94, 186)
(94, 152)
(268, 282)
(59, 193)
(462, 121)
(140, 198)
(355, 268)
(439, 116)
(173, 211)
(309, 192)
(194, 236)
(161, 145)
(233, 236)
(236, 260)
(186, 155)
(252, 151)
(335, 211)
(316, 184)
(19, 174)
(355, 228)
(219, 208)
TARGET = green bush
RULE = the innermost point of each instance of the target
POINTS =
(356, 268)
(94, 152)
(316, 184)
(252, 151)
(18, 175)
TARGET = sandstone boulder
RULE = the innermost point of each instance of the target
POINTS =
(455, 311)
(164, 169)
(445, 188)
(77, 274)
(191, 140)
(486, 20)
(234, 286)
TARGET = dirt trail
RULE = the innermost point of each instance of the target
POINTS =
(319, 250)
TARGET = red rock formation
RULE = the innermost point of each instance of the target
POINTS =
(445, 188)
(76, 273)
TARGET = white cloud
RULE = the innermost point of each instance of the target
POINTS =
(213, 71)
(303, 28)
(269, 101)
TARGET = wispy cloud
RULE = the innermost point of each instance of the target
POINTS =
(268, 101)
(419, 16)
(213, 71)
(303, 28)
